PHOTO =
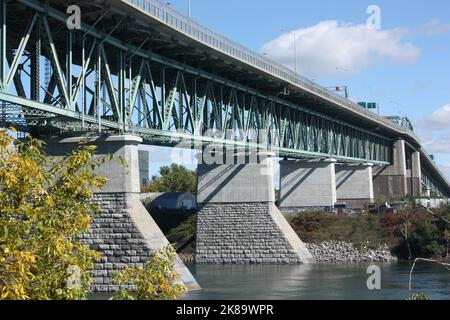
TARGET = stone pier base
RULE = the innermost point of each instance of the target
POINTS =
(247, 233)
(238, 222)
(123, 232)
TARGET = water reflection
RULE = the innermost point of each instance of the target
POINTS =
(315, 281)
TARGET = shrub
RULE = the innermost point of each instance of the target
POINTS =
(153, 281)
(424, 240)
(418, 297)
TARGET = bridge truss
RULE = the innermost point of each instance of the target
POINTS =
(53, 79)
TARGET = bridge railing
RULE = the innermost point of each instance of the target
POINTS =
(170, 17)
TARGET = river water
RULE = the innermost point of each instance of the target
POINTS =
(317, 281)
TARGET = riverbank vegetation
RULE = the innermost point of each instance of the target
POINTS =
(153, 281)
(409, 233)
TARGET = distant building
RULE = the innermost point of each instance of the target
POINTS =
(144, 171)
(433, 203)
(170, 200)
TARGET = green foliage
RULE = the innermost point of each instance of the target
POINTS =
(183, 233)
(408, 229)
(418, 297)
(425, 240)
(358, 229)
(44, 207)
(154, 281)
(174, 178)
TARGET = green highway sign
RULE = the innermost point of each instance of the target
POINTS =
(368, 105)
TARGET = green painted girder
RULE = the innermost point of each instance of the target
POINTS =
(161, 99)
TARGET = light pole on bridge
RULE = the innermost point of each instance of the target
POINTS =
(189, 7)
(294, 34)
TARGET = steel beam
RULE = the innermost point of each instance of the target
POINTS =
(132, 89)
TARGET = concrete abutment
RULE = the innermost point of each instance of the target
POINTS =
(415, 176)
(403, 177)
(354, 185)
(321, 185)
(307, 185)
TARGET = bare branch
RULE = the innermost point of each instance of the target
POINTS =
(445, 265)
(434, 214)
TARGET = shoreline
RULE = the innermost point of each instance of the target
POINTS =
(341, 251)
(334, 252)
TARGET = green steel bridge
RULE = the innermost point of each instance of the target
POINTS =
(140, 67)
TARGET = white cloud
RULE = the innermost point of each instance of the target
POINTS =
(336, 48)
(437, 143)
(434, 132)
(436, 27)
(440, 144)
(438, 120)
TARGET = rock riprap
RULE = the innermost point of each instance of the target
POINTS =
(338, 251)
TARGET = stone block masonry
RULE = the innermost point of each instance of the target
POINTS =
(115, 235)
(242, 233)
(237, 220)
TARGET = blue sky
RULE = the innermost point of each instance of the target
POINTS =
(404, 66)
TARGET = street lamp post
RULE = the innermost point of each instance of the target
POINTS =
(294, 34)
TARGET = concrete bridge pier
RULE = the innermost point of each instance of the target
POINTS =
(354, 184)
(124, 232)
(307, 185)
(237, 220)
(415, 176)
(391, 181)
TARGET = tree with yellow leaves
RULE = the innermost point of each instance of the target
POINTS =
(45, 206)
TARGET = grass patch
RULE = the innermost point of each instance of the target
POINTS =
(314, 227)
